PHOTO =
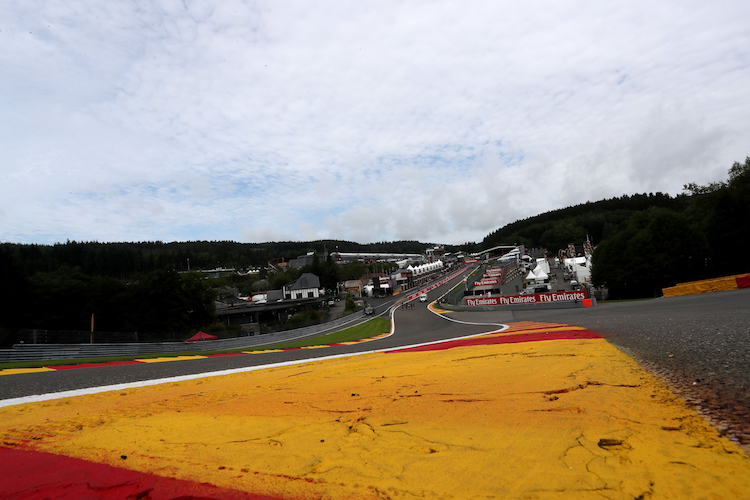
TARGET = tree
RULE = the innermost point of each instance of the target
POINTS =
(722, 212)
(658, 248)
(13, 292)
(352, 271)
(559, 235)
(350, 304)
(261, 285)
(278, 280)
(329, 276)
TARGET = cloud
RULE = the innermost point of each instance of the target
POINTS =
(433, 121)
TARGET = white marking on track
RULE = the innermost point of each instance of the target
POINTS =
(145, 383)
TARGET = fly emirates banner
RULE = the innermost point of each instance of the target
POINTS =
(539, 298)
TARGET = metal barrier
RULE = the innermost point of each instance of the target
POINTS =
(32, 352)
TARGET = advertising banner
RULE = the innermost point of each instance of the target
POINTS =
(485, 282)
(494, 272)
(539, 298)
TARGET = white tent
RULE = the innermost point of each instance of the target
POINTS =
(543, 263)
(580, 267)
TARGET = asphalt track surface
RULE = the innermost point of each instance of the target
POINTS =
(537, 410)
(415, 325)
(699, 345)
(543, 418)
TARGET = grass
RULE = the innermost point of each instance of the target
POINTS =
(372, 328)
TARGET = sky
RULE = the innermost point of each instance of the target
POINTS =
(437, 121)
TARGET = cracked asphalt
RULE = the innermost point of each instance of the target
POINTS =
(698, 345)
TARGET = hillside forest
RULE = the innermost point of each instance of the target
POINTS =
(155, 288)
(644, 242)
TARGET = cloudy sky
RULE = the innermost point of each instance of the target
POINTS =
(365, 121)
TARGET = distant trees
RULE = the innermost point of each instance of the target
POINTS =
(158, 302)
(147, 286)
(261, 285)
(726, 220)
(352, 270)
(306, 316)
(65, 300)
(657, 248)
(127, 260)
(278, 280)
(167, 301)
(329, 274)
(566, 225)
(661, 247)
(649, 241)
(559, 235)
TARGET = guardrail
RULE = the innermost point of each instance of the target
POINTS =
(34, 352)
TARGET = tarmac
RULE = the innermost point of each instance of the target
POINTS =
(536, 411)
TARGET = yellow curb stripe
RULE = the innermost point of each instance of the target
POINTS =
(566, 419)
(15, 371)
(169, 358)
(434, 308)
(704, 286)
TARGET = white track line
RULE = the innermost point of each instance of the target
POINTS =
(145, 383)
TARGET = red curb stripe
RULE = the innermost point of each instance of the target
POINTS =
(35, 475)
(508, 339)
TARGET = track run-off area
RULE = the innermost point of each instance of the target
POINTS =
(501, 404)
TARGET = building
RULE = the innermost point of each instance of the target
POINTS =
(277, 305)
(377, 284)
(354, 286)
(367, 257)
(306, 286)
(435, 254)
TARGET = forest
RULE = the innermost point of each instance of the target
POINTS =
(147, 288)
(645, 242)
(127, 260)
